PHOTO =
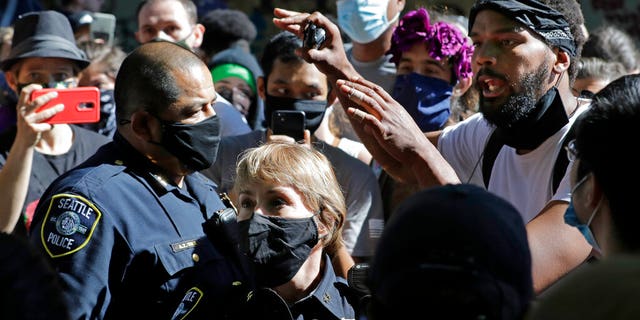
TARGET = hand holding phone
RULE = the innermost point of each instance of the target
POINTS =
(289, 123)
(81, 105)
(314, 36)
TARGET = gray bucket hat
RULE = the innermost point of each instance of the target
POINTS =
(44, 34)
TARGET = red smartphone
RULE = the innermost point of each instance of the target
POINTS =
(81, 105)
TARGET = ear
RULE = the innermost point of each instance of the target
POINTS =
(10, 77)
(262, 88)
(323, 231)
(595, 192)
(198, 35)
(143, 125)
(401, 4)
(563, 60)
(462, 86)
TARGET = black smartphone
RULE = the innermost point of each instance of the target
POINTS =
(289, 123)
(314, 36)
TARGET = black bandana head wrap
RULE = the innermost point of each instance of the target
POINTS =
(537, 16)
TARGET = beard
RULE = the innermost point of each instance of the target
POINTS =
(520, 105)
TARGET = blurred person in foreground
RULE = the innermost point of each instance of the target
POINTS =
(29, 287)
(603, 210)
(463, 248)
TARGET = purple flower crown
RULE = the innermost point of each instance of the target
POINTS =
(443, 40)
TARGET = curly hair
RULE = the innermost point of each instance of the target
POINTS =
(443, 40)
(224, 27)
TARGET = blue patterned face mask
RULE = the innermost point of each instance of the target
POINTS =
(427, 99)
(571, 218)
(363, 20)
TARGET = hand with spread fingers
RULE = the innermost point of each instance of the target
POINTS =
(330, 58)
(383, 125)
(397, 138)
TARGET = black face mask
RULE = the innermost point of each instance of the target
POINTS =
(313, 109)
(549, 117)
(277, 246)
(195, 145)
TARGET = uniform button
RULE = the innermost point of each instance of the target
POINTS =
(326, 297)
(195, 257)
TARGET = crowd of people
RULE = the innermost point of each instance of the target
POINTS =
(467, 166)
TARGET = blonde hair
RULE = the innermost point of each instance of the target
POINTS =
(307, 171)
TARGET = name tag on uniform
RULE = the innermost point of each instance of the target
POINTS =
(184, 245)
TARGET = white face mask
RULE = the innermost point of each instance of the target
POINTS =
(364, 20)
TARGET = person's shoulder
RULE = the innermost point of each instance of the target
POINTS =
(232, 122)
(91, 175)
(229, 149)
(332, 285)
(89, 135)
(615, 275)
(245, 140)
(475, 119)
(204, 180)
(475, 126)
(339, 157)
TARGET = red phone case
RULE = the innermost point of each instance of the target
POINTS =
(81, 105)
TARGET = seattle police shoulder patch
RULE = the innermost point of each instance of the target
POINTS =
(68, 224)
(188, 303)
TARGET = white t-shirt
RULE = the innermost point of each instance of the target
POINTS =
(517, 178)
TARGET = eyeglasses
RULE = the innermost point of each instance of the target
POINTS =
(572, 152)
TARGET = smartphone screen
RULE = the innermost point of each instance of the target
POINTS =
(289, 123)
(81, 105)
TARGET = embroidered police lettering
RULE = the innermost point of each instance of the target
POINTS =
(60, 241)
(69, 224)
(76, 206)
(191, 295)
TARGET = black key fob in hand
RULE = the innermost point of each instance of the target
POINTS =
(314, 36)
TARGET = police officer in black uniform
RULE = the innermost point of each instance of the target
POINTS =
(125, 230)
